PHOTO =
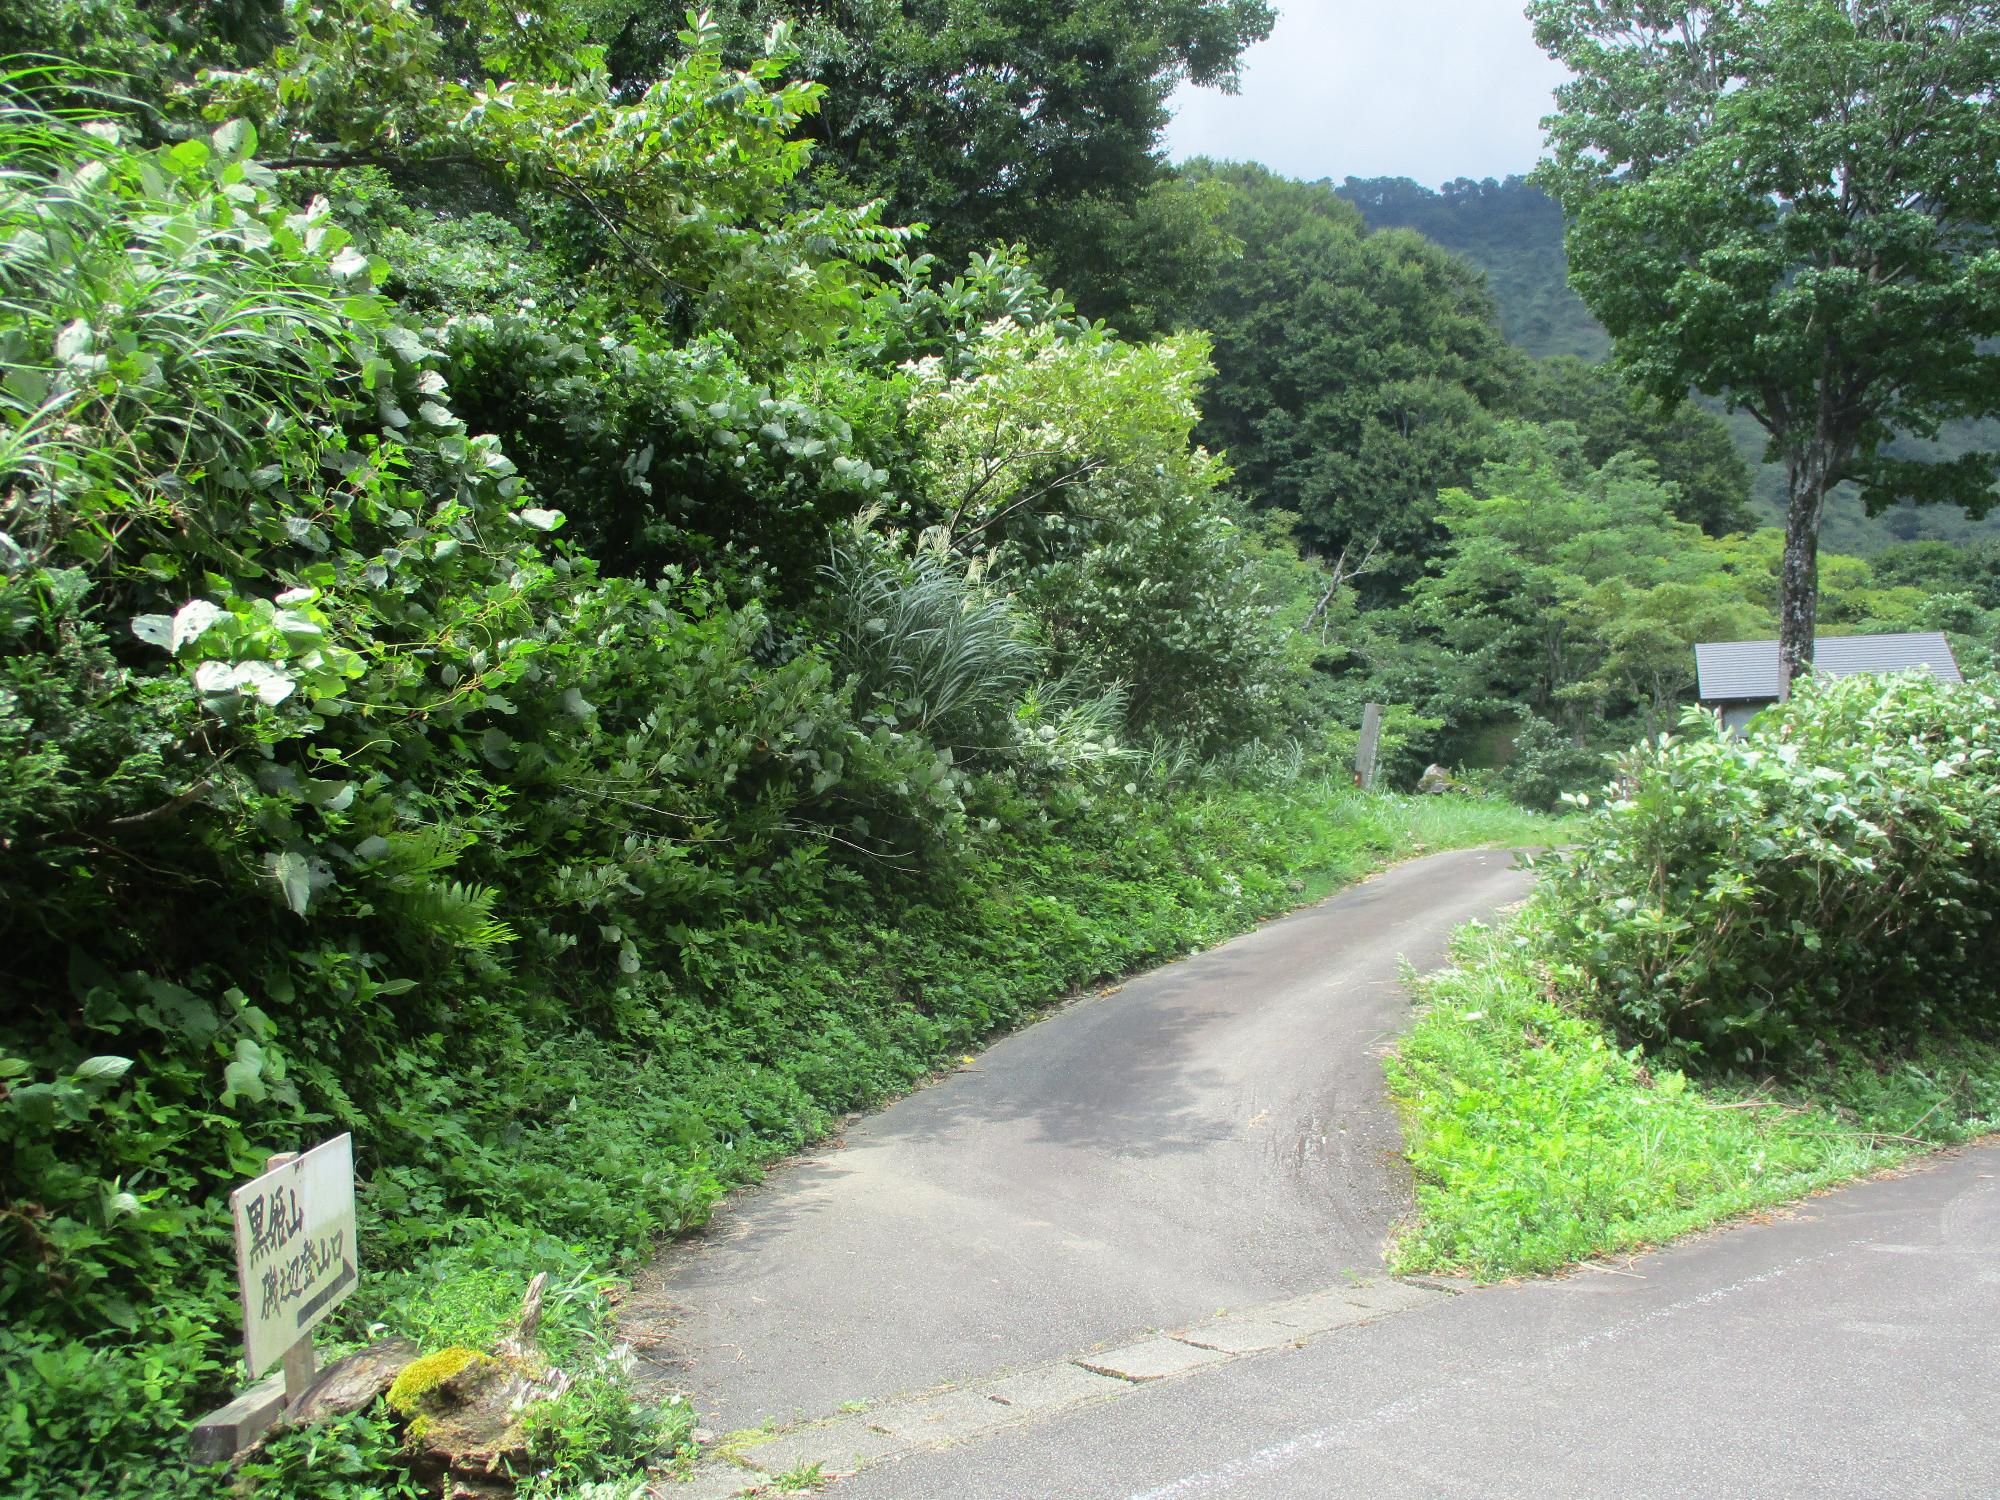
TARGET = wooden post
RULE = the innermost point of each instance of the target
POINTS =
(1364, 753)
(227, 1431)
(299, 1370)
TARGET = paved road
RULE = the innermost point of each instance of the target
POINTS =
(1210, 1135)
(1851, 1353)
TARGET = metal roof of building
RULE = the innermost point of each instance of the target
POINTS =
(1735, 671)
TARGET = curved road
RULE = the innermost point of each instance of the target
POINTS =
(1210, 1135)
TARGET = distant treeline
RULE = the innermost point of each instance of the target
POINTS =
(1513, 231)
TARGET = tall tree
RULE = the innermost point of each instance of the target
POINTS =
(1001, 120)
(1354, 371)
(1790, 203)
(1692, 447)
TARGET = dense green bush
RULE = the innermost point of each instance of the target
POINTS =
(675, 455)
(1548, 765)
(291, 675)
(1836, 872)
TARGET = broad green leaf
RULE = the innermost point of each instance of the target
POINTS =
(191, 622)
(294, 876)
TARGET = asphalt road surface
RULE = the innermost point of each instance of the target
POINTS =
(1851, 1352)
(1211, 1135)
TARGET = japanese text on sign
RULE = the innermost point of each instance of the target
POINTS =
(294, 1248)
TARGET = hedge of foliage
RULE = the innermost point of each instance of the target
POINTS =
(1834, 873)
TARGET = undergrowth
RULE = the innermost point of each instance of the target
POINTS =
(1537, 1140)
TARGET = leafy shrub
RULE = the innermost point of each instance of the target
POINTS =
(678, 455)
(1836, 872)
(1067, 454)
(929, 644)
(357, 1456)
(84, 1419)
(597, 1429)
(1548, 765)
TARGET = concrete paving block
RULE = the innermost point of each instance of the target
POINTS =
(1393, 1296)
(1241, 1335)
(1317, 1312)
(707, 1482)
(1345, 1306)
(950, 1417)
(1050, 1388)
(838, 1447)
(1150, 1359)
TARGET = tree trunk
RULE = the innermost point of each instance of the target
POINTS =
(1798, 592)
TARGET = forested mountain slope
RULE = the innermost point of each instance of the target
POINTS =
(1513, 231)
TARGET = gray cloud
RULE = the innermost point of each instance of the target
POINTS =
(1429, 89)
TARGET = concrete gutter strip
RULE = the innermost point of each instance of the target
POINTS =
(844, 1444)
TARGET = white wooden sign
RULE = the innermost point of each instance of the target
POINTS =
(294, 1248)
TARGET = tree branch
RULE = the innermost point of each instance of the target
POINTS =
(165, 809)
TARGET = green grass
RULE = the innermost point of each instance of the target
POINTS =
(1537, 1142)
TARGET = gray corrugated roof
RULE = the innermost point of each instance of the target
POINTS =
(1732, 671)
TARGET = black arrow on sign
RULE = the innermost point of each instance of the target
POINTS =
(326, 1293)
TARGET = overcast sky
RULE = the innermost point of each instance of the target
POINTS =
(1429, 89)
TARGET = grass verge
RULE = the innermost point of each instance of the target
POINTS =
(1536, 1141)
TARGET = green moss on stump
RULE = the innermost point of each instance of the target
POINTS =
(422, 1376)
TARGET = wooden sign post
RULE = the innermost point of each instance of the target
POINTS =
(1370, 743)
(294, 1265)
